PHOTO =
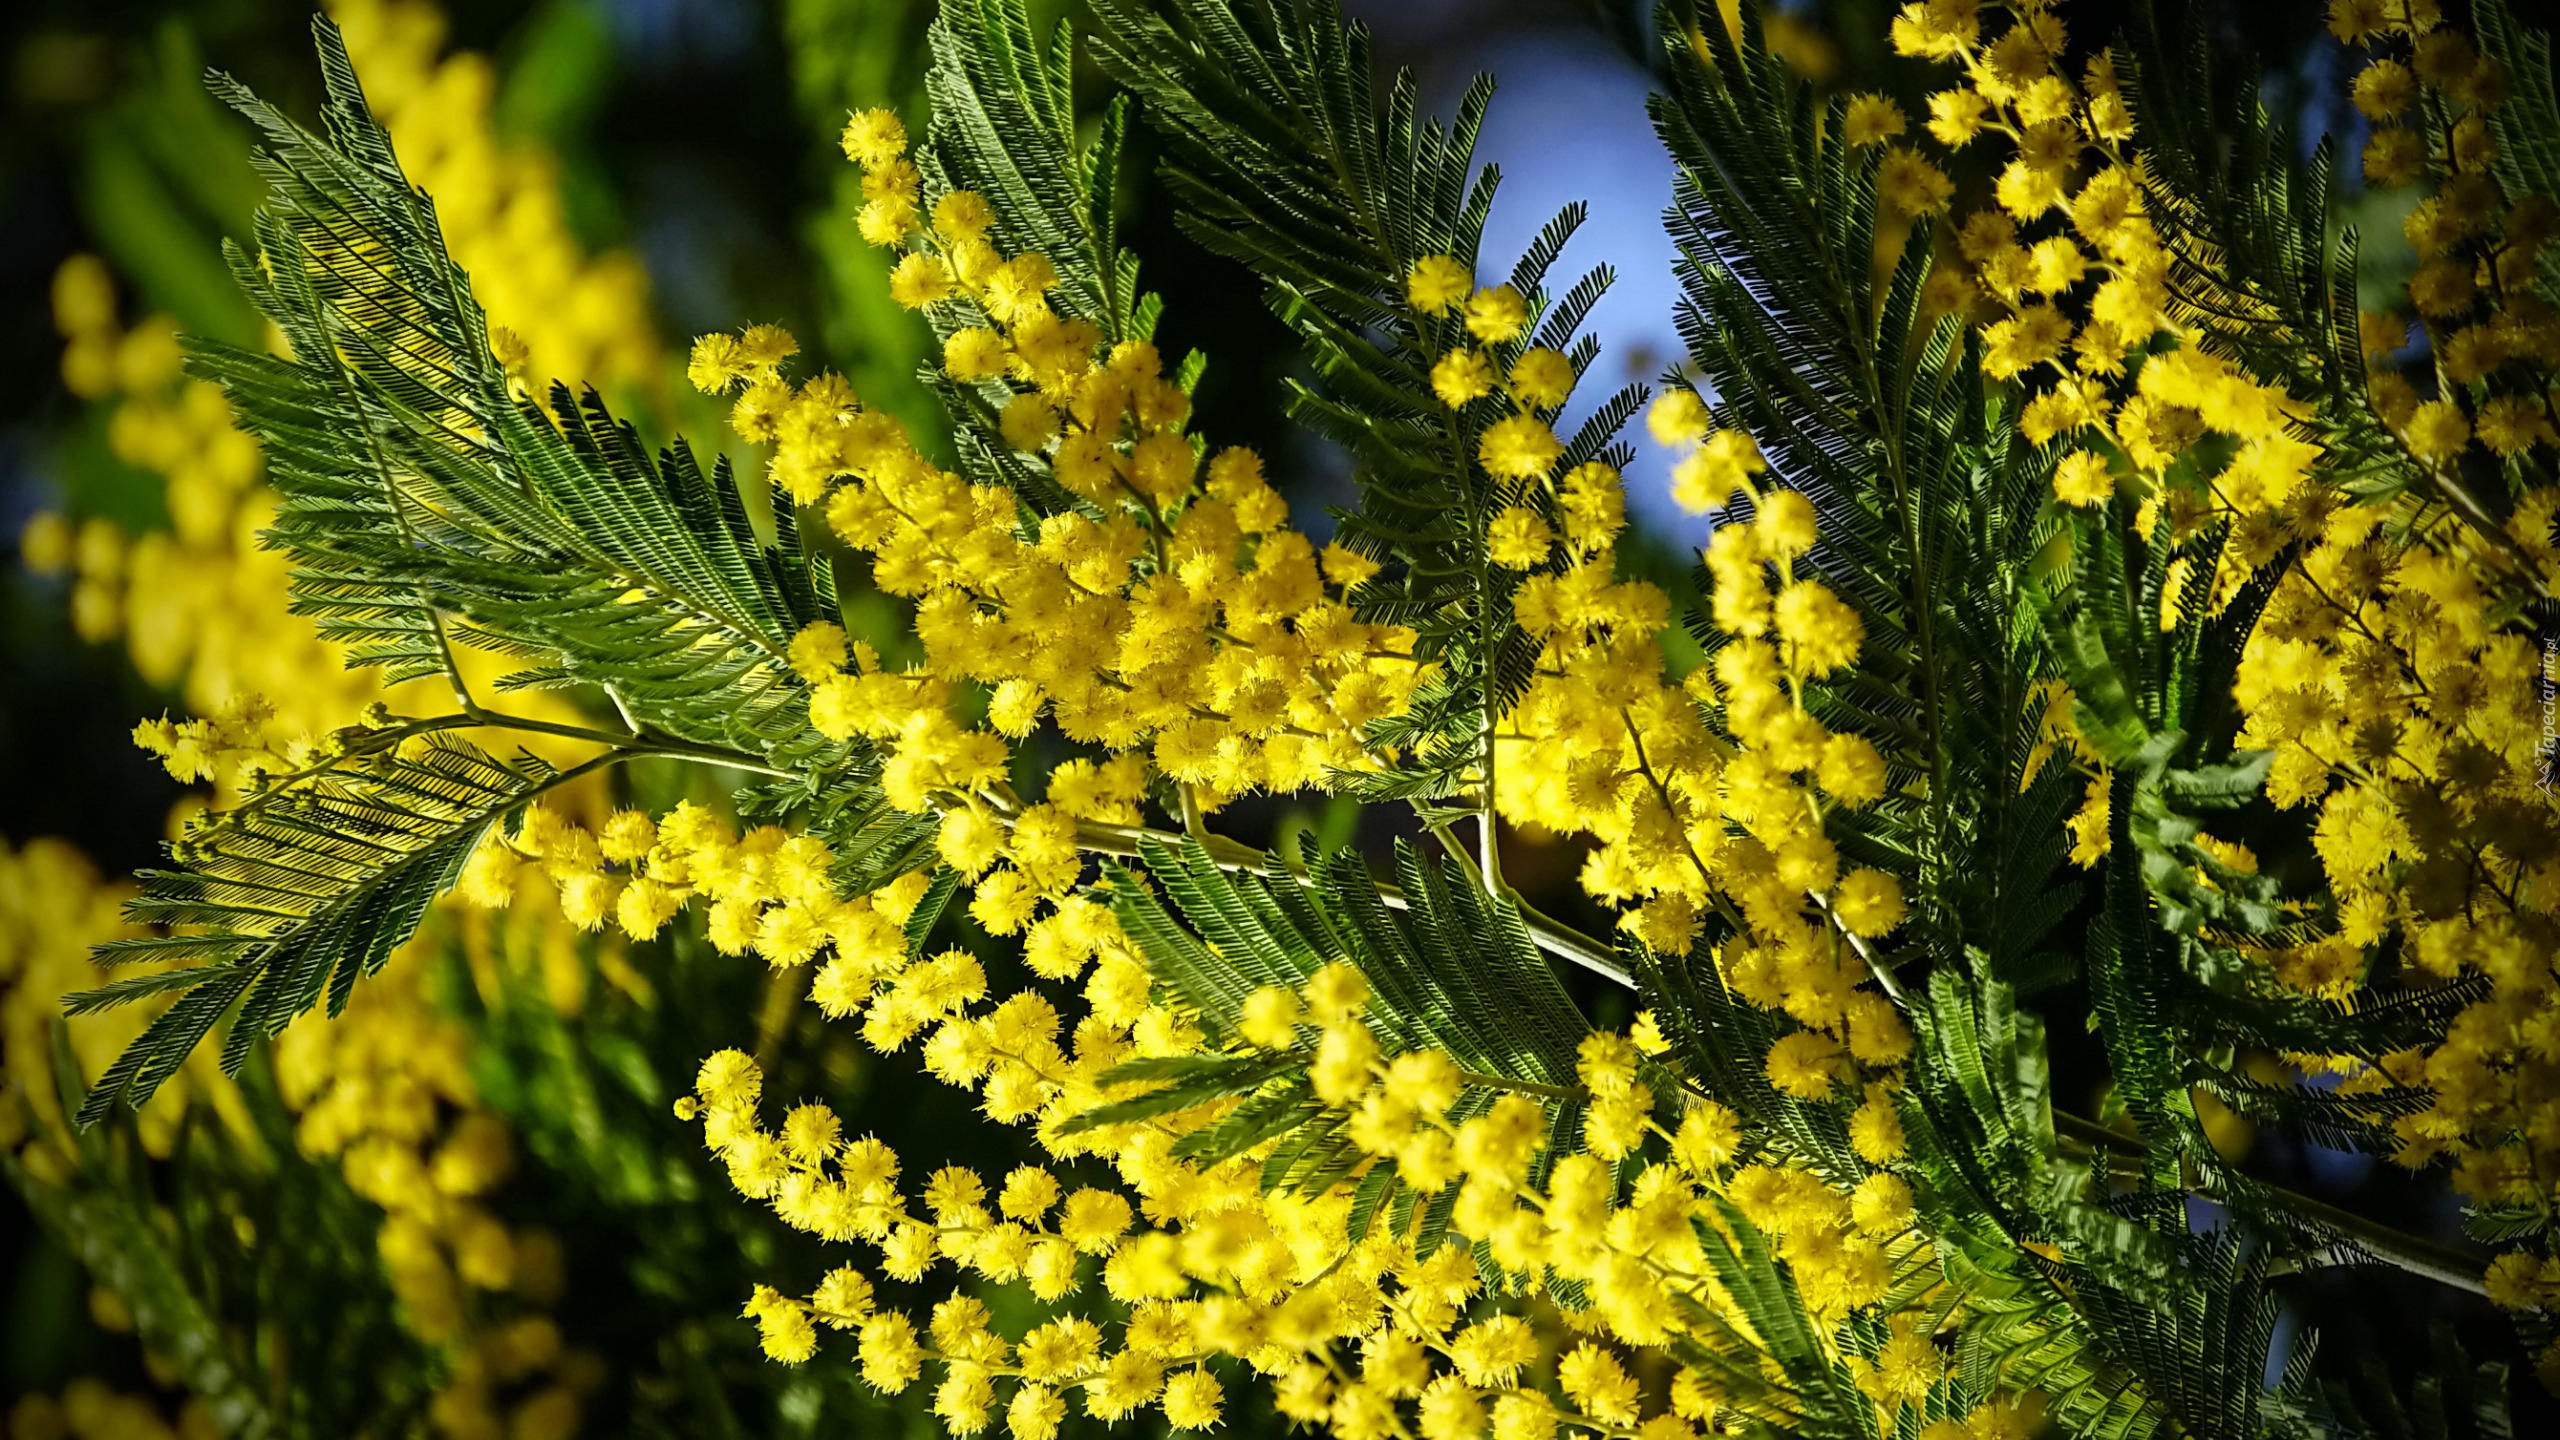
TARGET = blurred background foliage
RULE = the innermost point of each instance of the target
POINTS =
(465, 1209)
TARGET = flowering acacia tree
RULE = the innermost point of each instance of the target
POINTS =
(2047, 535)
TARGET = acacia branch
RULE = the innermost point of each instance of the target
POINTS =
(1555, 938)
(2369, 1238)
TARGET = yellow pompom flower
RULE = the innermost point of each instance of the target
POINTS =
(1871, 120)
(817, 652)
(1707, 477)
(1336, 990)
(628, 836)
(1491, 1351)
(961, 215)
(1028, 423)
(2055, 265)
(2356, 21)
(1807, 1065)
(1818, 631)
(1677, 417)
(2513, 424)
(1520, 447)
(920, 280)
(763, 348)
(2437, 431)
(1541, 378)
(891, 1357)
(1424, 1080)
(1956, 116)
(2023, 341)
(1875, 1129)
(1910, 186)
(970, 840)
(1005, 902)
(975, 354)
(1192, 1400)
(1496, 314)
(1784, 525)
(2514, 1282)
(2445, 60)
(1347, 567)
(1034, 1412)
(874, 138)
(886, 221)
(1461, 376)
(1437, 282)
(45, 545)
(1710, 1135)
(1868, 903)
(1882, 1206)
(1270, 1017)
(787, 1334)
(2083, 479)
(1518, 539)
(2394, 157)
(1094, 1220)
(1851, 771)
(715, 364)
(1344, 1054)
(1597, 1383)
(2384, 89)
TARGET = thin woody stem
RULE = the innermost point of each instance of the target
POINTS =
(2396, 1248)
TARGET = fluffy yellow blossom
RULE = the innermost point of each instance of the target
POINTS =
(1193, 1400)
(2083, 479)
(1956, 116)
(1460, 376)
(1909, 185)
(1706, 478)
(1541, 378)
(1438, 282)
(1519, 447)
(1871, 120)
(1807, 1065)
(2437, 431)
(1519, 539)
(1677, 417)
(1496, 314)
(874, 138)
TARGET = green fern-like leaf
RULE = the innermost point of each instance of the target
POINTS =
(294, 897)
(425, 504)
(1279, 158)
(1457, 972)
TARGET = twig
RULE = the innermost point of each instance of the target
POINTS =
(2397, 1248)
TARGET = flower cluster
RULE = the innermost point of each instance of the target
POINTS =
(2398, 708)
(385, 1089)
(1601, 744)
(53, 907)
(1171, 620)
(1730, 817)
(1545, 1252)
(2402, 710)
(1169, 617)
(90, 1407)
(201, 608)
(202, 605)
(2071, 280)
(563, 313)
(1370, 1332)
